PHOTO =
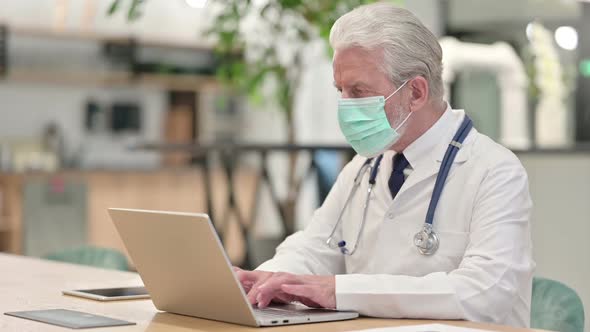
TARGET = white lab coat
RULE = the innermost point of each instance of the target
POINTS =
(483, 268)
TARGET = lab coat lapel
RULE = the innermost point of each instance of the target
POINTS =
(430, 165)
(420, 173)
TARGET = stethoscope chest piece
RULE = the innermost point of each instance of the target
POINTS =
(426, 240)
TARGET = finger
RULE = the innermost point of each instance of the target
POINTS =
(247, 286)
(246, 279)
(272, 287)
(283, 298)
(276, 296)
(299, 290)
(255, 289)
(246, 276)
(266, 295)
(306, 294)
(309, 302)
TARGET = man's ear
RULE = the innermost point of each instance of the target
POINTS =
(418, 92)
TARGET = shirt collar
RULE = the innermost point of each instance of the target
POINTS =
(426, 146)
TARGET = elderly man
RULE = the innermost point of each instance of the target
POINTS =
(431, 218)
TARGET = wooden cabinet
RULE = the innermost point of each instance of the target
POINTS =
(167, 189)
(10, 213)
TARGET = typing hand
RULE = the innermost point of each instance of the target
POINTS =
(266, 287)
(250, 278)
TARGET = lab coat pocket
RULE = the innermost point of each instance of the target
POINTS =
(447, 258)
(452, 244)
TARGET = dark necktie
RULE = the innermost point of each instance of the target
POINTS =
(396, 180)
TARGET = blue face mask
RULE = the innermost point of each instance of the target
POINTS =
(365, 126)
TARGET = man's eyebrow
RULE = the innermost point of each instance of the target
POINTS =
(361, 84)
(355, 85)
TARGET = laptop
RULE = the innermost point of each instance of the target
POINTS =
(186, 271)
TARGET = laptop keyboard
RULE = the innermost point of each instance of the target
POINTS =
(279, 313)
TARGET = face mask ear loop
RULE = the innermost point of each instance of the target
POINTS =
(396, 90)
(406, 119)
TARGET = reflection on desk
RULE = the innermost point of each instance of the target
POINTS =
(33, 284)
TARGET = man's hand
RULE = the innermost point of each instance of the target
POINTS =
(265, 287)
(250, 278)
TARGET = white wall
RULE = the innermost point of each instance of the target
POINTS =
(169, 20)
(560, 189)
(429, 12)
(25, 109)
(483, 14)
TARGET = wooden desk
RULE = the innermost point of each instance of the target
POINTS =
(32, 284)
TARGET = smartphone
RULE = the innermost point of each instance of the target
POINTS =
(111, 294)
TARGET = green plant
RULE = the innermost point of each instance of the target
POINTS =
(273, 59)
(134, 11)
(254, 63)
(246, 64)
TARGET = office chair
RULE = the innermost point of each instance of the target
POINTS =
(556, 307)
(93, 256)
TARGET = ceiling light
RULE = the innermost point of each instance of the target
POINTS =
(566, 37)
(529, 31)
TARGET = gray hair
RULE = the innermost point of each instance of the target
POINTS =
(409, 48)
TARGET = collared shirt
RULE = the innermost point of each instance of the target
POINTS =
(420, 149)
(483, 268)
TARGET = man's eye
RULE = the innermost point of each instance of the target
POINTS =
(357, 92)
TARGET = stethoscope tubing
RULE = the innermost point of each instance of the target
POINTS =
(445, 167)
(449, 157)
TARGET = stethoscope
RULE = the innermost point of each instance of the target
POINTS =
(426, 240)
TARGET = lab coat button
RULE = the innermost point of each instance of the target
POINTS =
(390, 215)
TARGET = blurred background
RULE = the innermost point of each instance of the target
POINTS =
(228, 107)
